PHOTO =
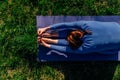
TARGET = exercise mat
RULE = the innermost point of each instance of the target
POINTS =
(46, 54)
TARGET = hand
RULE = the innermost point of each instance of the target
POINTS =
(45, 44)
(48, 40)
(49, 35)
(40, 31)
(39, 40)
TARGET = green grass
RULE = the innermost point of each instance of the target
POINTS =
(18, 40)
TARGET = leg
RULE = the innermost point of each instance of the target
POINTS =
(109, 52)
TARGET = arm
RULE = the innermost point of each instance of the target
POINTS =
(61, 34)
(55, 41)
(62, 42)
(76, 24)
(67, 49)
(84, 49)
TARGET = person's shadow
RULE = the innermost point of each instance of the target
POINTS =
(81, 70)
(98, 70)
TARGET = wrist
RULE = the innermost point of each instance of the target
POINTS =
(48, 28)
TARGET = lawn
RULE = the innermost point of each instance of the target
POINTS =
(18, 41)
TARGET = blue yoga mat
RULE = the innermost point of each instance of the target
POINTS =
(46, 54)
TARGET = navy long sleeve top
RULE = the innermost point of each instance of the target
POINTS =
(105, 36)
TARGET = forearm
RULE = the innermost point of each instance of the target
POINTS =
(47, 28)
(67, 49)
(63, 42)
(58, 48)
(75, 24)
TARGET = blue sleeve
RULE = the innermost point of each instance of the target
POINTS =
(76, 24)
(67, 49)
(62, 42)
(63, 33)
(81, 50)
(86, 47)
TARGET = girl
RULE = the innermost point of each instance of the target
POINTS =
(84, 37)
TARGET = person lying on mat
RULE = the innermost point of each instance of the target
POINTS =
(84, 37)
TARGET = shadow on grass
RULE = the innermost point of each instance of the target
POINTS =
(86, 70)
(34, 3)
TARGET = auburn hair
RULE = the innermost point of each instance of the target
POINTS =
(75, 38)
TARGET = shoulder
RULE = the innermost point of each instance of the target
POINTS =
(88, 45)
